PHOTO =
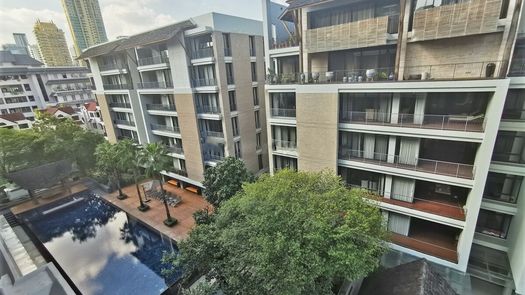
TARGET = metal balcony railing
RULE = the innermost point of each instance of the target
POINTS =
(416, 164)
(124, 105)
(279, 112)
(154, 60)
(204, 82)
(284, 145)
(155, 85)
(202, 53)
(161, 107)
(207, 109)
(165, 128)
(124, 122)
(116, 86)
(441, 122)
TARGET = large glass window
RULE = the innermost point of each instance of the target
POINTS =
(514, 108)
(232, 100)
(352, 13)
(503, 187)
(493, 224)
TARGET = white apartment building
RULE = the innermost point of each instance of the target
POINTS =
(26, 85)
(196, 86)
(417, 102)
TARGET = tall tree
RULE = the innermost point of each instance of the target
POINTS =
(131, 156)
(154, 158)
(112, 163)
(292, 233)
(17, 150)
(224, 180)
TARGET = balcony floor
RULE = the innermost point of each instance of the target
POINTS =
(430, 243)
(434, 206)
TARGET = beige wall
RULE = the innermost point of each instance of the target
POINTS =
(190, 135)
(470, 53)
(106, 117)
(317, 131)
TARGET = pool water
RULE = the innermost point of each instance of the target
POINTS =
(102, 249)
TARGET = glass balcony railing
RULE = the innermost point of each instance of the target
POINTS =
(441, 122)
(165, 128)
(161, 107)
(155, 85)
(284, 145)
(153, 60)
(175, 150)
(216, 134)
(124, 122)
(116, 86)
(458, 170)
(208, 109)
(202, 53)
(279, 112)
(111, 66)
(179, 172)
(213, 157)
(124, 105)
(204, 82)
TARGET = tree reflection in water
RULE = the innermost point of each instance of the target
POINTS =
(81, 219)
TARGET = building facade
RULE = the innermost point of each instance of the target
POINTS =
(51, 44)
(26, 86)
(196, 86)
(414, 102)
(85, 23)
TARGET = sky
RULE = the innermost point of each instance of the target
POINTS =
(121, 17)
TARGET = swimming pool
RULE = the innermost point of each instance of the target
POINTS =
(102, 249)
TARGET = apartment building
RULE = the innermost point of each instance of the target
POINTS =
(85, 23)
(26, 86)
(51, 44)
(412, 100)
(197, 86)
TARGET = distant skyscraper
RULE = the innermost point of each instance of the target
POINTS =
(35, 52)
(52, 44)
(85, 23)
(21, 41)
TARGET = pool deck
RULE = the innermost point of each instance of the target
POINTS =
(155, 216)
(30, 204)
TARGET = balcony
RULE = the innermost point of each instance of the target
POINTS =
(430, 204)
(154, 60)
(215, 134)
(358, 34)
(439, 122)
(426, 245)
(286, 113)
(453, 20)
(111, 66)
(116, 86)
(155, 85)
(202, 53)
(204, 82)
(457, 170)
(284, 145)
(179, 172)
(208, 109)
(210, 157)
(517, 68)
(124, 122)
(161, 107)
(165, 128)
(292, 42)
(175, 150)
(123, 105)
(455, 71)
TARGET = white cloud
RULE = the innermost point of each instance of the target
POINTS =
(22, 20)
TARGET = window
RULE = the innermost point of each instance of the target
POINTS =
(20, 99)
(64, 76)
(23, 76)
(254, 72)
(237, 147)
(257, 120)
(252, 45)
(227, 48)
(235, 126)
(233, 102)
(493, 224)
(27, 87)
(260, 161)
(31, 98)
(229, 73)
(258, 141)
(255, 96)
(502, 187)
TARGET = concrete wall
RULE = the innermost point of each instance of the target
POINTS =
(516, 251)
(106, 117)
(317, 130)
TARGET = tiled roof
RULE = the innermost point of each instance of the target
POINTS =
(18, 59)
(91, 106)
(413, 278)
(149, 37)
(67, 110)
(13, 117)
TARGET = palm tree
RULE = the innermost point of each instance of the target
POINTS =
(130, 156)
(154, 159)
(110, 163)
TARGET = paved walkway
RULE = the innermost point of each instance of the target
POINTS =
(157, 213)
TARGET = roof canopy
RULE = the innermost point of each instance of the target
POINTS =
(43, 176)
(149, 37)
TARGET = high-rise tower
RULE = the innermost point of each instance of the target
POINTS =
(52, 44)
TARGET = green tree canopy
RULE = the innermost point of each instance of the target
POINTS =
(224, 180)
(292, 233)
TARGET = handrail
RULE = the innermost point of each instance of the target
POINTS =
(111, 66)
(399, 239)
(202, 53)
(116, 86)
(458, 170)
(279, 112)
(214, 134)
(161, 107)
(155, 85)
(160, 127)
(153, 60)
(208, 109)
(175, 149)
(124, 122)
(125, 105)
(204, 82)
(427, 121)
(212, 157)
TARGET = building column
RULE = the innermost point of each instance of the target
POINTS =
(396, 102)
(388, 186)
(391, 149)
